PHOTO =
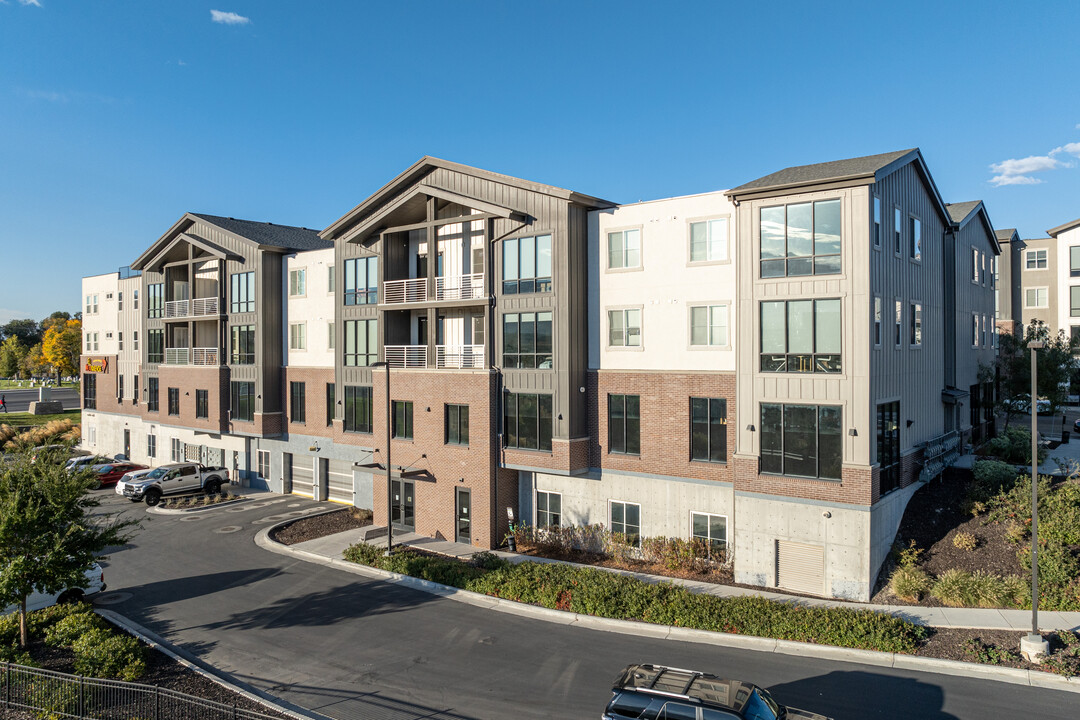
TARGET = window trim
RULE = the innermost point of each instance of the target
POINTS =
(709, 515)
(915, 325)
(641, 249)
(913, 221)
(709, 439)
(297, 390)
(298, 272)
(623, 309)
(1035, 252)
(611, 518)
(457, 407)
(172, 408)
(1036, 288)
(690, 306)
(690, 262)
(625, 434)
(201, 397)
(408, 410)
(536, 508)
(301, 335)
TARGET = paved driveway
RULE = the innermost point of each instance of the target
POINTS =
(349, 647)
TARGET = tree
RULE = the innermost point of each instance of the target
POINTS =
(33, 362)
(12, 352)
(1055, 365)
(62, 346)
(28, 331)
(57, 318)
(49, 534)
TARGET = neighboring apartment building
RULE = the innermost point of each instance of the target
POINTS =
(1045, 279)
(1007, 295)
(1067, 239)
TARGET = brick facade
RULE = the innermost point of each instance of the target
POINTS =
(189, 379)
(315, 381)
(106, 384)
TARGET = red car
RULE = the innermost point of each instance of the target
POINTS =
(110, 473)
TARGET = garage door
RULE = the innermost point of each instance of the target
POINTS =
(303, 477)
(339, 481)
(800, 568)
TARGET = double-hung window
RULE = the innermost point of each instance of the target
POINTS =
(801, 440)
(626, 520)
(358, 409)
(527, 421)
(624, 249)
(361, 281)
(298, 336)
(1035, 297)
(709, 240)
(202, 404)
(331, 279)
(263, 460)
(916, 325)
(624, 424)
(457, 425)
(527, 340)
(1035, 260)
(708, 429)
(800, 336)
(709, 326)
(624, 327)
(800, 239)
(242, 344)
(242, 400)
(548, 509)
(361, 342)
(297, 401)
(174, 401)
(402, 426)
(242, 292)
(298, 282)
(527, 265)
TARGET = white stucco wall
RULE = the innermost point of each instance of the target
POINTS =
(315, 308)
(1065, 281)
(106, 321)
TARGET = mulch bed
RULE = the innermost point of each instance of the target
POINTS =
(721, 574)
(310, 528)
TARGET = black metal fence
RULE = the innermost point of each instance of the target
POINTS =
(53, 695)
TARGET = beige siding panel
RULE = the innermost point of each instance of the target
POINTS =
(800, 567)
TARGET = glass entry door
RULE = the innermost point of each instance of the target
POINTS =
(464, 516)
(401, 509)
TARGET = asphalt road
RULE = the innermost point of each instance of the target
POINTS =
(349, 647)
(19, 400)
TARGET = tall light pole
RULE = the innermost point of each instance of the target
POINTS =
(1033, 646)
(389, 485)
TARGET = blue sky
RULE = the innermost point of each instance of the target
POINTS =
(117, 116)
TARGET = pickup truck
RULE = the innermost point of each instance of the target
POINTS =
(171, 480)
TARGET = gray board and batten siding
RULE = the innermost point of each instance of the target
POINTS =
(975, 231)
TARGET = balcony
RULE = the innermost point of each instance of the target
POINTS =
(199, 307)
(406, 356)
(405, 291)
(459, 356)
(191, 356)
(460, 287)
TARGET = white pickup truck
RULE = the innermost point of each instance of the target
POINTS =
(171, 480)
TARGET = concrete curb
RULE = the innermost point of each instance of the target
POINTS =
(899, 661)
(158, 510)
(214, 675)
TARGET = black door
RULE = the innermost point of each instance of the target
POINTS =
(464, 516)
(127, 444)
(401, 510)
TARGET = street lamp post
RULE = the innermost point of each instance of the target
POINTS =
(389, 485)
(1033, 647)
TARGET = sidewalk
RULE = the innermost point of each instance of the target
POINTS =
(332, 546)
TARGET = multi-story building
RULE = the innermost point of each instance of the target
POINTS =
(1007, 295)
(1042, 280)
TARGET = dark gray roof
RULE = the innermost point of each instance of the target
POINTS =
(1005, 234)
(959, 211)
(823, 172)
(286, 237)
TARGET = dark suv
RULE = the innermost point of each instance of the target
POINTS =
(654, 692)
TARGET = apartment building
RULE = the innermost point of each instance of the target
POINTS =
(1007, 296)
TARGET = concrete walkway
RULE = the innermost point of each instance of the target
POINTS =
(332, 546)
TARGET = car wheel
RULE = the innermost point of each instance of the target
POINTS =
(153, 497)
(70, 597)
(212, 488)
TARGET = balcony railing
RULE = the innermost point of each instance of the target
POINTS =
(406, 356)
(459, 356)
(459, 287)
(405, 291)
(191, 308)
(191, 356)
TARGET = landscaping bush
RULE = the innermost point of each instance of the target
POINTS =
(1013, 445)
(1015, 533)
(965, 541)
(909, 583)
(951, 587)
(959, 588)
(69, 629)
(990, 477)
(101, 653)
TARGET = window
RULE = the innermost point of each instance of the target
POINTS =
(361, 342)
(89, 345)
(151, 445)
(242, 344)
(120, 388)
(362, 281)
(242, 401)
(174, 401)
(119, 301)
(626, 519)
(331, 399)
(548, 509)
(1074, 261)
(527, 265)
(1035, 260)
(457, 424)
(899, 323)
(89, 305)
(242, 292)
(298, 282)
(135, 339)
(624, 249)
(708, 429)
(155, 346)
(800, 336)
(263, 464)
(298, 336)
(624, 327)
(709, 326)
(202, 404)
(709, 240)
(801, 440)
(982, 269)
(1035, 297)
(710, 529)
(176, 450)
(800, 239)
(95, 304)
(975, 265)
(888, 446)
(916, 325)
(89, 391)
(975, 331)
(916, 239)
(95, 342)
(296, 401)
(624, 424)
(527, 421)
(1074, 301)
(135, 391)
(135, 299)
(877, 222)
(984, 330)
(152, 394)
(330, 339)
(357, 409)
(331, 279)
(877, 322)
(155, 300)
(897, 231)
(402, 426)
(527, 340)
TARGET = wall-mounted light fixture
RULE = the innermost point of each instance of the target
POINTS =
(853, 432)
(750, 428)
(910, 423)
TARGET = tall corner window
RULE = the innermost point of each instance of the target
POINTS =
(242, 400)
(155, 300)
(202, 404)
(916, 239)
(362, 281)
(298, 282)
(526, 265)
(624, 424)
(709, 240)
(624, 327)
(155, 346)
(708, 429)
(916, 325)
(402, 417)
(800, 336)
(801, 440)
(709, 326)
(361, 343)
(457, 424)
(548, 509)
(877, 222)
(626, 520)
(242, 292)
(527, 340)
(358, 409)
(624, 249)
(800, 239)
(242, 344)
(527, 421)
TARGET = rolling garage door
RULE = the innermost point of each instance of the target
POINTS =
(303, 476)
(339, 481)
(800, 568)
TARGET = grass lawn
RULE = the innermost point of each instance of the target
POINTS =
(20, 419)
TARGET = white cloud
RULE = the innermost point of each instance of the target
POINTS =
(228, 18)
(1070, 148)
(1018, 171)
(35, 3)
(1000, 180)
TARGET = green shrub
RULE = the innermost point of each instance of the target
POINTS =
(1015, 533)
(488, 561)
(909, 583)
(992, 475)
(103, 654)
(1013, 445)
(1057, 565)
(965, 541)
(69, 629)
(959, 588)
(952, 587)
(363, 554)
(909, 556)
(1059, 514)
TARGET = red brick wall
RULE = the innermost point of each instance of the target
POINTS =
(189, 379)
(857, 486)
(315, 381)
(106, 384)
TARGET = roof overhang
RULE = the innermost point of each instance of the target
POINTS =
(979, 211)
(1054, 232)
(169, 240)
(157, 261)
(952, 396)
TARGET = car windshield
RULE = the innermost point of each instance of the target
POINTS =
(104, 469)
(157, 472)
(761, 706)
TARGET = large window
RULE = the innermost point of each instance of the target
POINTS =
(202, 404)
(800, 336)
(155, 346)
(242, 292)
(297, 401)
(362, 281)
(624, 327)
(298, 336)
(801, 440)
(358, 410)
(402, 427)
(263, 459)
(457, 424)
(548, 509)
(709, 240)
(1074, 301)
(877, 222)
(801, 239)
(624, 424)
(298, 282)
(708, 429)
(242, 400)
(710, 529)
(527, 340)
(888, 446)
(709, 326)
(1035, 260)
(624, 249)
(915, 335)
(626, 519)
(174, 401)
(331, 396)
(89, 391)
(527, 265)
(242, 344)
(1035, 297)
(361, 342)
(155, 300)
(152, 394)
(527, 420)
(1074, 261)
(916, 239)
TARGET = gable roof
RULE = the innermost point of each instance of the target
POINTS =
(858, 168)
(960, 211)
(1054, 232)
(1006, 235)
(964, 212)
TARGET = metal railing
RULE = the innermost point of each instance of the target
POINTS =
(60, 695)
(191, 356)
(406, 356)
(459, 287)
(191, 308)
(177, 356)
(405, 291)
(459, 356)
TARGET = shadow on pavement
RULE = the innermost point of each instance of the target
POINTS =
(859, 694)
(153, 594)
(359, 705)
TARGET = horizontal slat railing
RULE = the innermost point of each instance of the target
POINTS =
(459, 287)
(405, 291)
(204, 306)
(406, 356)
(204, 356)
(177, 308)
(177, 356)
(459, 356)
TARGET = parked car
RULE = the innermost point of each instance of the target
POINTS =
(654, 691)
(110, 473)
(95, 583)
(131, 477)
(1076, 425)
(78, 463)
(173, 479)
(1022, 404)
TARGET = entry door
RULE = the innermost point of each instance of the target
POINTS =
(403, 503)
(127, 444)
(464, 516)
